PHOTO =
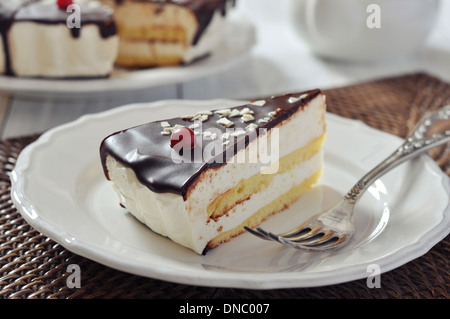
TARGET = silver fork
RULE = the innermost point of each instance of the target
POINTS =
(334, 227)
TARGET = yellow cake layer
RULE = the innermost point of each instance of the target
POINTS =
(154, 21)
(279, 204)
(246, 187)
(149, 54)
(158, 34)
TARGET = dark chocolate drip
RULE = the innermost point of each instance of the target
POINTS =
(204, 11)
(75, 32)
(148, 153)
(8, 11)
(5, 24)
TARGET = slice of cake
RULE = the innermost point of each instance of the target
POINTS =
(51, 38)
(167, 32)
(200, 179)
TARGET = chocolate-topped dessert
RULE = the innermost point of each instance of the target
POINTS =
(199, 179)
(51, 38)
(168, 32)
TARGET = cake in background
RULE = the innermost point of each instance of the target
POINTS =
(40, 39)
(167, 32)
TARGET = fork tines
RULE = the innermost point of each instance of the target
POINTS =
(301, 238)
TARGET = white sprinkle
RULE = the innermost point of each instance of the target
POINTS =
(213, 136)
(246, 111)
(226, 136)
(273, 113)
(234, 113)
(225, 122)
(207, 134)
(224, 112)
(194, 126)
(247, 118)
(264, 120)
(200, 117)
(258, 103)
(303, 96)
(226, 143)
(206, 112)
(165, 124)
(196, 133)
(293, 99)
(252, 126)
(169, 130)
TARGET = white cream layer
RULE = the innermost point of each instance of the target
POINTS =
(49, 50)
(168, 215)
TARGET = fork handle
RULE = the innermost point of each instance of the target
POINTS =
(417, 143)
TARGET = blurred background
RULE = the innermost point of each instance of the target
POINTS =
(288, 56)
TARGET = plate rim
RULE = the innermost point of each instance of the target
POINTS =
(233, 279)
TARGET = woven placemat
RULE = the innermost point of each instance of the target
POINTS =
(34, 266)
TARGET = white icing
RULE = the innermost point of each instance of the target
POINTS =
(50, 50)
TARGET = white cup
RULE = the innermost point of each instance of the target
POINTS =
(364, 30)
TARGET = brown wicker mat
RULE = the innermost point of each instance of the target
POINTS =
(34, 266)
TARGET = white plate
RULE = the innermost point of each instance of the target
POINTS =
(239, 37)
(60, 189)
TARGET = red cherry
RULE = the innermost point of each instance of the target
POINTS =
(183, 137)
(63, 4)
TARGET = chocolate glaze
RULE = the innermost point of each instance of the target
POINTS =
(203, 9)
(49, 13)
(8, 10)
(148, 153)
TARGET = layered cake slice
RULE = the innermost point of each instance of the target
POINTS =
(200, 179)
(167, 32)
(51, 38)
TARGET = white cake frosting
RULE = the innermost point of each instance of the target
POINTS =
(42, 40)
(87, 56)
